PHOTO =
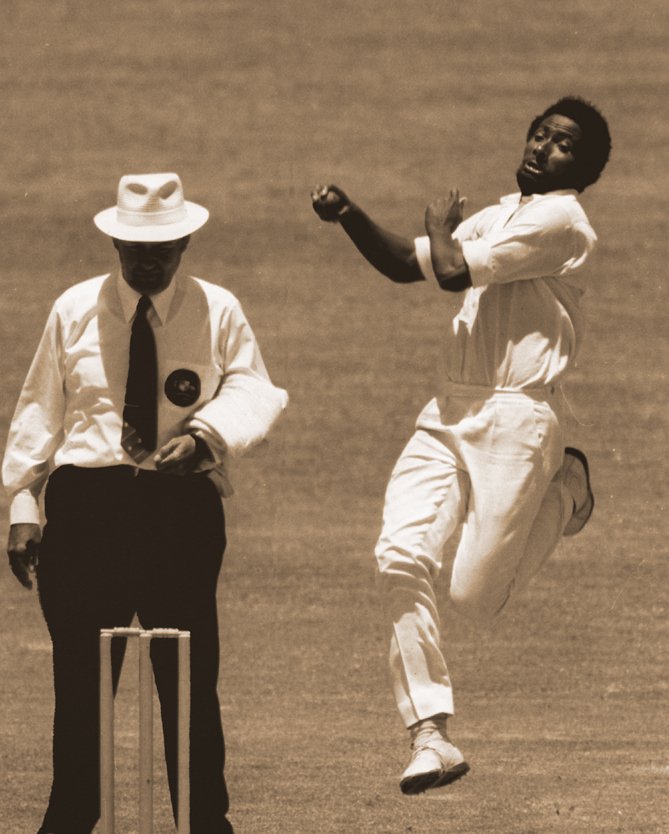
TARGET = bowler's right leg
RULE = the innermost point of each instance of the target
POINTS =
(425, 500)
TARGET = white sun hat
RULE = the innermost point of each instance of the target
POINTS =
(150, 208)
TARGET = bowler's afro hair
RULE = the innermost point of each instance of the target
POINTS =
(594, 148)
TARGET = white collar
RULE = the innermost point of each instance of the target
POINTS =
(519, 198)
(128, 297)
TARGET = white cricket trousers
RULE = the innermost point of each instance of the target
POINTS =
(488, 459)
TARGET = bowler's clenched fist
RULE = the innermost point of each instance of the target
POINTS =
(330, 203)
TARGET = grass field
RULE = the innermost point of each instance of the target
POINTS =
(562, 709)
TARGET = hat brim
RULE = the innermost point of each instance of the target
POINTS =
(108, 223)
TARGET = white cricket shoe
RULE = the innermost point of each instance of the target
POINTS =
(575, 474)
(435, 761)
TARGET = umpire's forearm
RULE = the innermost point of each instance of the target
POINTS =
(392, 255)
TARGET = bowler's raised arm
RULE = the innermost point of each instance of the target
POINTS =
(392, 255)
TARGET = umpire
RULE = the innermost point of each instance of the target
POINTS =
(145, 382)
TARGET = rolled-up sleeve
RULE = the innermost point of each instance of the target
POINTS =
(424, 257)
(546, 243)
(247, 404)
(423, 248)
(36, 429)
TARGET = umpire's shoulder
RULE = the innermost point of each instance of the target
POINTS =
(217, 297)
(80, 296)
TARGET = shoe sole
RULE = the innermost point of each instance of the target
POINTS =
(434, 779)
(581, 516)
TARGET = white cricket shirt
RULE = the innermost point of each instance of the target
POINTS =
(519, 325)
(211, 378)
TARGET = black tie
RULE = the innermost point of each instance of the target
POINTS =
(140, 414)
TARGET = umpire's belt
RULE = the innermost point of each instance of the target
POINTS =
(122, 472)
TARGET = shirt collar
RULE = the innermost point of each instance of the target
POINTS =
(161, 301)
(517, 198)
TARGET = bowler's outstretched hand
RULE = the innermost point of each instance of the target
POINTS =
(23, 551)
(330, 203)
(445, 213)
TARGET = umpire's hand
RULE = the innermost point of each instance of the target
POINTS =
(23, 551)
(182, 455)
(330, 203)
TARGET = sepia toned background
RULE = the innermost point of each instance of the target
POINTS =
(562, 708)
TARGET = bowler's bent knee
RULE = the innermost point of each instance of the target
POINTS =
(477, 605)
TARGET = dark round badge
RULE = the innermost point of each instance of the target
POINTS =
(182, 387)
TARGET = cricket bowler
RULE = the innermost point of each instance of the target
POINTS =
(488, 451)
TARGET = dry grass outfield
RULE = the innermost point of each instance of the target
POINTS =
(562, 709)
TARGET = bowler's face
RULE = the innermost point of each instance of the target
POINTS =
(149, 267)
(549, 161)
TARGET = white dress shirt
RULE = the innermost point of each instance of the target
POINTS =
(519, 325)
(71, 407)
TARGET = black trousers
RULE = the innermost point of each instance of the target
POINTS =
(116, 544)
